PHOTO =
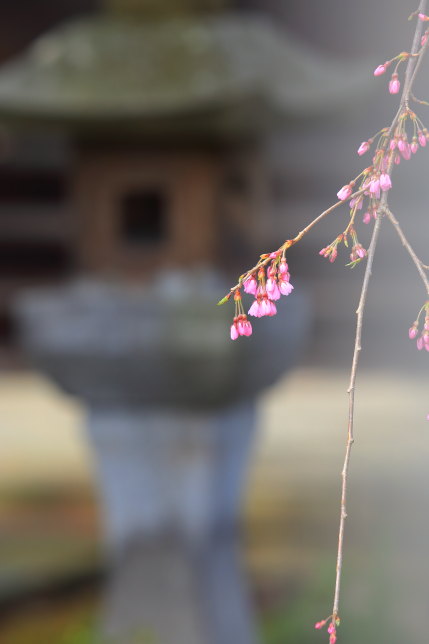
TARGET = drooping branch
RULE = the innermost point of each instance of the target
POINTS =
(417, 262)
(410, 76)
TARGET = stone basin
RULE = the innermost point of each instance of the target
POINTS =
(165, 344)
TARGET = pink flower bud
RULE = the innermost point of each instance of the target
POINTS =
(366, 218)
(320, 625)
(286, 288)
(283, 267)
(423, 17)
(374, 188)
(394, 84)
(254, 309)
(363, 148)
(393, 143)
(234, 332)
(332, 638)
(422, 139)
(331, 628)
(265, 308)
(345, 192)
(272, 289)
(272, 308)
(385, 182)
(247, 328)
(378, 71)
(356, 201)
(419, 343)
(250, 285)
(414, 146)
(404, 148)
(412, 332)
(397, 159)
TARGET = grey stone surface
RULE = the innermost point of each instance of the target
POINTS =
(166, 344)
(224, 74)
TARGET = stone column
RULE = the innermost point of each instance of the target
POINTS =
(166, 472)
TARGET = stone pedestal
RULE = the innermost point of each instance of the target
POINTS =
(165, 472)
(171, 417)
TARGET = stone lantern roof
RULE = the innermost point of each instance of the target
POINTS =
(219, 73)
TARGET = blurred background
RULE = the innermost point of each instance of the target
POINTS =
(159, 483)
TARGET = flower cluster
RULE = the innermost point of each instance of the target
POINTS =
(422, 339)
(268, 286)
(240, 324)
(332, 628)
(357, 253)
(268, 281)
(364, 192)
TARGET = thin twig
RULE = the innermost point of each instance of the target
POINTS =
(351, 391)
(265, 259)
(418, 263)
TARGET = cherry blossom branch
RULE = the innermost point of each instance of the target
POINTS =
(418, 262)
(269, 279)
(267, 257)
(410, 75)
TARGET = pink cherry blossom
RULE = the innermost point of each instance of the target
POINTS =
(345, 192)
(265, 307)
(378, 71)
(272, 307)
(412, 332)
(273, 291)
(254, 309)
(414, 146)
(360, 251)
(283, 267)
(250, 285)
(234, 332)
(374, 187)
(404, 149)
(247, 328)
(385, 182)
(286, 288)
(363, 148)
(422, 139)
(394, 84)
(356, 201)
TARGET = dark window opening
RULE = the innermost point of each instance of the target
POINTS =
(31, 259)
(144, 217)
(31, 186)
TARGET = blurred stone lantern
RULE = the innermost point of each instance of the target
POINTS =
(162, 101)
